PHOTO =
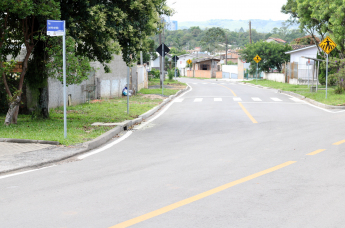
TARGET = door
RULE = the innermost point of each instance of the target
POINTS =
(234, 76)
(225, 75)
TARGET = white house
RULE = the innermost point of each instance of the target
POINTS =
(296, 57)
(182, 63)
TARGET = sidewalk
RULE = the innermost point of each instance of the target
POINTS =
(20, 156)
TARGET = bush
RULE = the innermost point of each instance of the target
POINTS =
(154, 74)
(338, 89)
(171, 74)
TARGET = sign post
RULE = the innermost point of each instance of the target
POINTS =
(327, 46)
(257, 59)
(175, 58)
(163, 50)
(189, 61)
(58, 28)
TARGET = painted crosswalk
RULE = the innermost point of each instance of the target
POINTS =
(275, 99)
(198, 99)
(256, 99)
(237, 99)
(217, 99)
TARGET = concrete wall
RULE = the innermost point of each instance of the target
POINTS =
(142, 77)
(106, 85)
(277, 77)
(232, 69)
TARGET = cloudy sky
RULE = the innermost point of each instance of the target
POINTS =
(203, 10)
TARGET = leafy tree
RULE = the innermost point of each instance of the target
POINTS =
(272, 55)
(17, 23)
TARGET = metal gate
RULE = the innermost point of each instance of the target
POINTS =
(225, 75)
(234, 76)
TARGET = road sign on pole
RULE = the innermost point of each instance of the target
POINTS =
(257, 59)
(161, 48)
(175, 58)
(327, 46)
(58, 28)
(189, 61)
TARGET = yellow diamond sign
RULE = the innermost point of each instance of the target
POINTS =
(189, 61)
(257, 59)
(327, 45)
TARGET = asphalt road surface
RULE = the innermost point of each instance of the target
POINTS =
(220, 155)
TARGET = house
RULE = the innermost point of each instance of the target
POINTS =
(205, 68)
(231, 56)
(182, 63)
(277, 40)
(298, 67)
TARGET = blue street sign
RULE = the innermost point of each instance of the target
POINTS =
(55, 28)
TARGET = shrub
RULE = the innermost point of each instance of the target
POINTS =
(171, 74)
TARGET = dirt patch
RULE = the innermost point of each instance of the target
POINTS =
(152, 96)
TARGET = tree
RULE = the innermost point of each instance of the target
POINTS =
(100, 29)
(272, 55)
(17, 21)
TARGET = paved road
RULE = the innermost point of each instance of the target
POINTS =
(222, 155)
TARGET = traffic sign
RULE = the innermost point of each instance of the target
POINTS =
(166, 49)
(327, 45)
(55, 28)
(257, 59)
(175, 58)
(189, 61)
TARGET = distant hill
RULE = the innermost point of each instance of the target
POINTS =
(235, 25)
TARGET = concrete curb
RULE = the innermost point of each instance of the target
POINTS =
(28, 141)
(100, 140)
(311, 101)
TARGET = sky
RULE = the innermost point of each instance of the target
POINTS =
(199, 10)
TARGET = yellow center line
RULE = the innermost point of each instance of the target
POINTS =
(230, 90)
(198, 197)
(340, 142)
(248, 114)
(316, 151)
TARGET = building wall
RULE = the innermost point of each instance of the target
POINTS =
(277, 77)
(232, 69)
(182, 63)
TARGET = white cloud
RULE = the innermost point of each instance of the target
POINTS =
(196, 10)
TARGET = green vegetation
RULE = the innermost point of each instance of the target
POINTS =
(332, 97)
(167, 92)
(272, 55)
(79, 120)
(188, 39)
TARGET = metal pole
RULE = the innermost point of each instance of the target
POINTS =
(326, 75)
(175, 67)
(64, 79)
(163, 57)
(257, 70)
(127, 90)
(308, 72)
(317, 75)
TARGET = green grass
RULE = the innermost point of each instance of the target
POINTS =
(156, 81)
(167, 92)
(79, 120)
(320, 95)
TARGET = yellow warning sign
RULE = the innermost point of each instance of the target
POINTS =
(327, 45)
(257, 59)
(189, 61)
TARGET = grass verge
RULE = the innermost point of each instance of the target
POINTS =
(320, 95)
(79, 120)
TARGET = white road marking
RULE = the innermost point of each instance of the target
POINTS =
(295, 99)
(204, 83)
(198, 99)
(275, 99)
(217, 99)
(256, 99)
(161, 112)
(179, 100)
(106, 147)
(237, 99)
(29, 171)
(195, 83)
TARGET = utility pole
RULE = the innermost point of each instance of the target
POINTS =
(250, 32)
(226, 53)
(160, 60)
